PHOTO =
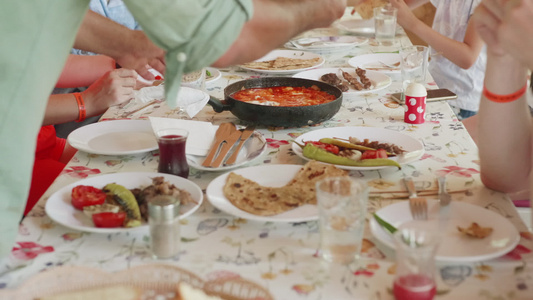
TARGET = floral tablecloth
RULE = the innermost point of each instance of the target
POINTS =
(282, 257)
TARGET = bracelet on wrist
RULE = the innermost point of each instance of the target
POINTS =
(82, 112)
(504, 98)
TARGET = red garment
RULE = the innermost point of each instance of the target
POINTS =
(47, 165)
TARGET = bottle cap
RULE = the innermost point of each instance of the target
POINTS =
(163, 208)
(415, 89)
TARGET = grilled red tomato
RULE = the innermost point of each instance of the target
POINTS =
(372, 154)
(85, 195)
(109, 219)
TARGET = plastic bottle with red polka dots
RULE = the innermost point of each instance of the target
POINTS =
(415, 103)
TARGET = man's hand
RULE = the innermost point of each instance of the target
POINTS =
(131, 49)
(143, 55)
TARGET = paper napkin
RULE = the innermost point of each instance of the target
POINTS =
(201, 134)
(190, 100)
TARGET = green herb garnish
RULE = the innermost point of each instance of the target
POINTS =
(385, 224)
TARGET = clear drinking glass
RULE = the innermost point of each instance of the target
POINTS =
(172, 144)
(413, 65)
(416, 246)
(342, 208)
(385, 24)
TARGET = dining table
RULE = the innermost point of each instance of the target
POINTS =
(283, 258)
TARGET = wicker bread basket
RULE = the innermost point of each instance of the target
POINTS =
(156, 281)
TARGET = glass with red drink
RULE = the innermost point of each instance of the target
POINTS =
(172, 159)
(416, 246)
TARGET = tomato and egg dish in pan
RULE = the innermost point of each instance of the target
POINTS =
(284, 96)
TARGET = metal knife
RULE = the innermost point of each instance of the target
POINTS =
(444, 199)
(222, 133)
(247, 132)
(229, 143)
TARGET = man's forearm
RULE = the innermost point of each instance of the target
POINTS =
(276, 21)
(130, 48)
(101, 35)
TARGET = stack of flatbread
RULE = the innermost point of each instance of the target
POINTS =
(283, 63)
(366, 8)
(261, 200)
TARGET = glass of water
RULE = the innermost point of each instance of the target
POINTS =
(413, 65)
(342, 204)
(385, 24)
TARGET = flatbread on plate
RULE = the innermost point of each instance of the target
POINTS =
(283, 63)
(254, 198)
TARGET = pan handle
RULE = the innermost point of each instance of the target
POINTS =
(218, 106)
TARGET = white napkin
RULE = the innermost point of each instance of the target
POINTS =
(189, 99)
(201, 134)
(192, 100)
(147, 94)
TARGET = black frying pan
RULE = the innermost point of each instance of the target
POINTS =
(278, 116)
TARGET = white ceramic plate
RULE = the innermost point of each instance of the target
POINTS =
(358, 26)
(371, 62)
(215, 74)
(379, 80)
(252, 149)
(117, 137)
(455, 246)
(414, 147)
(267, 175)
(326, 43)
(59, 208)
(289, 54)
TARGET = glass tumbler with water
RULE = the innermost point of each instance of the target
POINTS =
(342, 210)
(385, 24)
(413, 66)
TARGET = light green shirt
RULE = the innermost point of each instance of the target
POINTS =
(37, 36)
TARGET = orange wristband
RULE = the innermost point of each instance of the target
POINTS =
(81, 107)
(504, 98)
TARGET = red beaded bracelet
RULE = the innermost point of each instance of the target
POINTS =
(81, 107)
(504, 98)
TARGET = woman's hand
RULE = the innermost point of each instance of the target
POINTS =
(114, 88)
(487, 18)
(505, 26)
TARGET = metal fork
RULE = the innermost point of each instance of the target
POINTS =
(417, 205)
(395, 65)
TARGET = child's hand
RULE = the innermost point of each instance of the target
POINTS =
(405, 16)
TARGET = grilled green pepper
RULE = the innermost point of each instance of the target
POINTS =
(385, 224)
(313, 152)
(347, 145)
(127, 202)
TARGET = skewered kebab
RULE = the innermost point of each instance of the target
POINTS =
(352, 80)
(364, 80)
(334, 80)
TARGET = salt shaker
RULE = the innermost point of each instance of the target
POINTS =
(163, 220)
(415, 103)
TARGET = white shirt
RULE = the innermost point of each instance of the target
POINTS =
(451, 20)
